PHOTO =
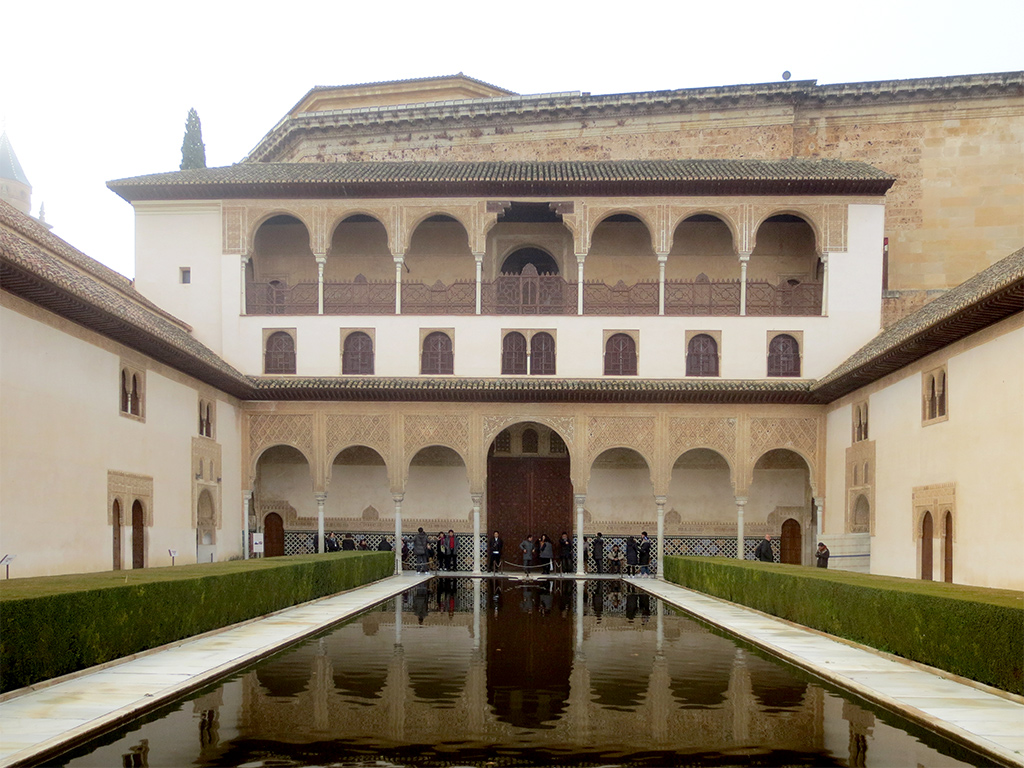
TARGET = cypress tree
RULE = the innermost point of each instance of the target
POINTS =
(193, 151)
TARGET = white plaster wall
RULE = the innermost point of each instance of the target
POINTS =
(773, 488)
(169, 236)
(436, 493)
(702, 495)
(980, 448)
(619, 494)
(61, 431)
(172, 235)
(353, 488)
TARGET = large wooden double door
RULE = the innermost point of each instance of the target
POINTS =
(528, 495)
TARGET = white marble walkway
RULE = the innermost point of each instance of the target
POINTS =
(44, 722)
(990, 721)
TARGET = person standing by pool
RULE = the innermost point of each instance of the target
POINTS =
(547, 552)
(632, 556)
(494, 553)
(527, 547)
(597, 550)
(764, 550)
(565, 552)
(451, 549)
(644, 552)
(420, 547)
(615, 559)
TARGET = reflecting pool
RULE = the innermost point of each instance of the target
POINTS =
(496, 673)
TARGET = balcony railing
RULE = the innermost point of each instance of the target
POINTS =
(537, 295)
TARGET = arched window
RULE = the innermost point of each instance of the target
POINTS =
(503, 442)
(933, 402)
(783, 356)
(530, 441)
(702, 356)
(620, 355)
(209, 420)
(556, 445)
(513, 353)
(357, 355)
(542, 355)
(437, 354)
(280, 356)
(125, 395)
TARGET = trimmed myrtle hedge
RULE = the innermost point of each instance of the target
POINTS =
(50, 626)
(974, 632)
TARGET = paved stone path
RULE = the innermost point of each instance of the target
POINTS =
(38, 723)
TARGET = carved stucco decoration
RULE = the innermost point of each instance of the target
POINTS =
(827, 221)
(799, 435)
(451, 431)
(269, 429)
(734, 216)
(636, 432)
(689, 432)
(235, 229)
(565, 426)
(373, 431)
(207, 471)
(127, 488)
(937, 499)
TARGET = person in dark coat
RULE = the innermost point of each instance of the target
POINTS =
(547, 552)
(494, 548)
(421, 549)
(597, 550)
(385, 545)
(632, 556)
(822, 555)
(565, 553)
(331, 543)
(764, 550)
(644, 552)
(348, 543)
(527, 547)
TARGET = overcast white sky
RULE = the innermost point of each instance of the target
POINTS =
(100, 90)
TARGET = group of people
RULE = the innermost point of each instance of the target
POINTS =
(763, 552)
(441, 550)
(634, 561)
(349, 543)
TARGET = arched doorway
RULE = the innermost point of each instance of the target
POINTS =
(792, 541)
(284, 486)
(947, 548)
(528, 486)
(116, 515)
(781, 491)
(138, 536)
(273, 535)
(205, 529)
(926, 546)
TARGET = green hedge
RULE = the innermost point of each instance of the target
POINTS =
(970, 631)
(51, 626)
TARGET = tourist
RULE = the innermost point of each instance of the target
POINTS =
(494, 553)
(348, 544)
(764, 550)
(451, 550)
(822, 555)
(644, 552)
(565, 553)
(441, 548)
(597, 551)
(331, 543)
(615, 559)
(547, 552)
(385, 545)
(527, 547)
(632, 556)
(363, 545)
(420, 550)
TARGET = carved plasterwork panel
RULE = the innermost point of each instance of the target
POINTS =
(206, 475)
(564, 425)
(937, 499)
(452, 431)
(269, 429)
(373, 431)
(860, 481)
(126, 488)
(835, 227)
(698, 432)
(636, 432)
(234, 229)
(800, 435)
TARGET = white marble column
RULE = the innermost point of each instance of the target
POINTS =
(479, 258)
(741, 502)
(321, 499)
(744, 260)
(660, 501)
(245, 263)
(321, 262)
(398, 618)
(580, 258)
(581, 554)
(476, 613)
(399, 263)
(477, 500)
(246, 500)
(398, 532)
(662, 261)
(819, 517)
(824, 284)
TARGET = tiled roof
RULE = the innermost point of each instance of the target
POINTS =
(991, 295)
(45, 270)
(391, 179)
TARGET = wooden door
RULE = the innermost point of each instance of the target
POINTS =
(116, 544)
(947, 548)
(138, 536)
(273, 535)
(789, 547)
(528, 495)
(926, 546)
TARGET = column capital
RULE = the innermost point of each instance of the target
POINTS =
(580, 499)
(479, 257)
(580, 258)
(247, 495)
(744, 256)
(397, 497)
(661, 500)
(477, 499)
(245, 258)
(819, 501)
(399, 258)
(662, 257)
(741, 501)
(321, 258)
(320, 496)
(824, 257)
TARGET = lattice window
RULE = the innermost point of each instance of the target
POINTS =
(620, 355)
(702, 356)
(357, 354)
(503, 442)
(513, 353)
(542, 354)
(438, 357)
(556, 445)
(783, 356)
(531, 443)
(280, 353)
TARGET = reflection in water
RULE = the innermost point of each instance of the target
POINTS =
(459, 672)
